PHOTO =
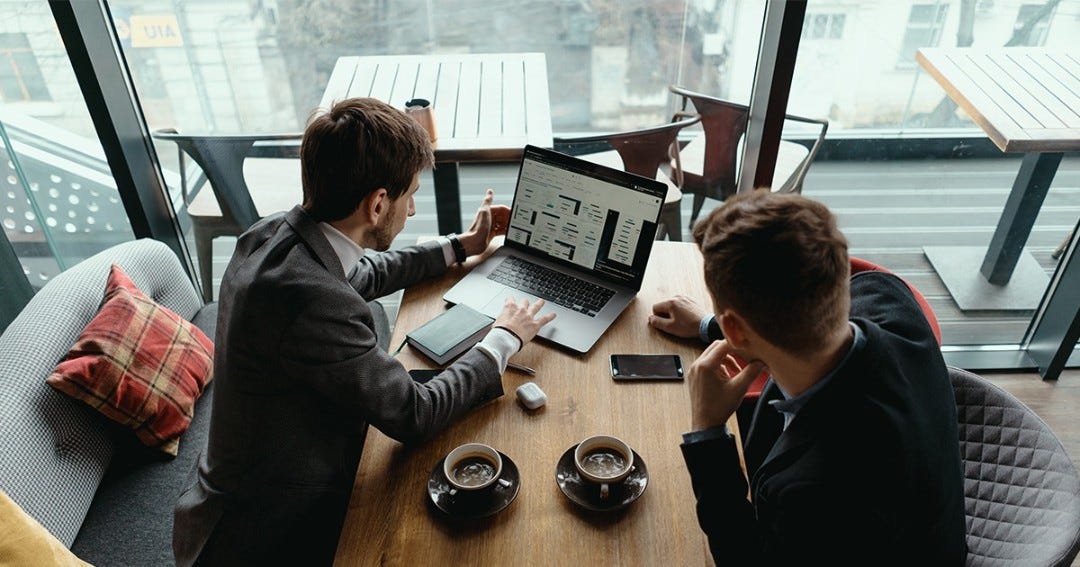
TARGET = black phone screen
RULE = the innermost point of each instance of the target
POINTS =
(646, 367)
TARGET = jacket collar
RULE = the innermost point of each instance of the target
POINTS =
(308, 231)
(807, 425)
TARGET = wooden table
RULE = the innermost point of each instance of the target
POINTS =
(390, 519)
(487, 107)
(1027, 100)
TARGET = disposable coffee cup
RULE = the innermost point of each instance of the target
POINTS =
(603, 460)
(472, 467)
(421, 111)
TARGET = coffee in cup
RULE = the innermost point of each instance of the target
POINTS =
(603, 460)
(472, 467)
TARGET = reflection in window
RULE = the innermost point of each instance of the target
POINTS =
(923, 30)
(823, 26)
(1037, 18)
(20, 76)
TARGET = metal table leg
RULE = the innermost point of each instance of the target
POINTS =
(447, 197)
(1002, 276)
(1026, 198)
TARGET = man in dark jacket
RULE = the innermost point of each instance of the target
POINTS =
(852, 453)
(298, 373)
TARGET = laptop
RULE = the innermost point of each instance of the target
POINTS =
(580, 236)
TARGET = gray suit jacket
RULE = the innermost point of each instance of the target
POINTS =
(298, 378)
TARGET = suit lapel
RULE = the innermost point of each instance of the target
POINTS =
(765, 427)
(309, 232)
(806, 428)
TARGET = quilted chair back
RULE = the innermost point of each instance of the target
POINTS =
(1021, 490)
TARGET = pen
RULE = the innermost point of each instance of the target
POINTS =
(521, 368)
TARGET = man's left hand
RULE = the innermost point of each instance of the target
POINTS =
(491, 221)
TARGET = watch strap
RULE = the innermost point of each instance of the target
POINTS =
(459, 249)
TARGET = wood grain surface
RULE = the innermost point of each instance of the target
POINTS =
(390, 519)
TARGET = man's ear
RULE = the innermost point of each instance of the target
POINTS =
(375, 205)
(735, 329)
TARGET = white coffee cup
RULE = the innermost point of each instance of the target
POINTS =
(472, 467)
(603, 460)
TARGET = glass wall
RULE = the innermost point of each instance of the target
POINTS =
(856, 67)
(58, 201)
(261, 65)
(856, 63)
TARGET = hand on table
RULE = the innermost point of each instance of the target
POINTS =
(491, 221)
(717, 385)
(519, 317)
(679, 316)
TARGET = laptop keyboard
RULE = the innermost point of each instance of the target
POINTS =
(550, 285)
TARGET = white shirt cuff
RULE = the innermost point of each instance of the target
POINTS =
(447, 250)
(500, 345)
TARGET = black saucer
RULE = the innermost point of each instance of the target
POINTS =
(587, 494)
(480, 504)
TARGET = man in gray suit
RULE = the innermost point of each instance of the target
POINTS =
(298, 373)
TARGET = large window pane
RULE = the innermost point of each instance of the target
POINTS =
(258, 67)
(262, 66)
(58, 201)
(892, 206)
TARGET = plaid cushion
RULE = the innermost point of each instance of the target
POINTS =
(139, 364)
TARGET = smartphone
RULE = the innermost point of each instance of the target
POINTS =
(646, 367)
(421, 375)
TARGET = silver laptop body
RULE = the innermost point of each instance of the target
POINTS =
(587, 231)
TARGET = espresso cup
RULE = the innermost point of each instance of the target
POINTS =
(603, 460)
(472, 467)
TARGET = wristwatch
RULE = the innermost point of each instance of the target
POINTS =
(459, 249)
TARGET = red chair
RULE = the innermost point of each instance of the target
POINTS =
(857, 265)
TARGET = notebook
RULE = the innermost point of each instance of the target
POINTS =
(580, 237)
(450, 333)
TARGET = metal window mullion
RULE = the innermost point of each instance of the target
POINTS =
(93, 48)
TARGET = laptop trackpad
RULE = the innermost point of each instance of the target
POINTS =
(495, 306)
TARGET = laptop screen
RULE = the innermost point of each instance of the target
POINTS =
(580, 213)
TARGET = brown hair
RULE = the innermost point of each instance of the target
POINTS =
(356, 147)
(780, 262)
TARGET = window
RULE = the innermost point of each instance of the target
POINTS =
(20, 76)
(1027, 12)
(823, 26)
(923, 30)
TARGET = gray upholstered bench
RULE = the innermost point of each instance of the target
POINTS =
(81, 476)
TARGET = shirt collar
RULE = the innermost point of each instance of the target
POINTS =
(348, 252)
(790, 406)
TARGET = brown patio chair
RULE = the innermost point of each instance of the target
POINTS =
(643, 152)
(710, 163)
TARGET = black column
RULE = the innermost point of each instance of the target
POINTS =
(94, 50)
(15, 290)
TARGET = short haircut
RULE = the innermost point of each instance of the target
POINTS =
(353, 149)
(781, 263)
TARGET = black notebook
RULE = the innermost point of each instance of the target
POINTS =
(449, 334)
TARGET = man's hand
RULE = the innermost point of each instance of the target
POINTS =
(520, 318)
(717, 385)
(679, 316)
(491, 221)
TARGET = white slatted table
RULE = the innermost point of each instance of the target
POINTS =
(1027, 100)
(487, 107)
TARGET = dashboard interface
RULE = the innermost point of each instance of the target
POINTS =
(580, 213)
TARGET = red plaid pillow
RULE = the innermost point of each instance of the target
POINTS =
(139, 364)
